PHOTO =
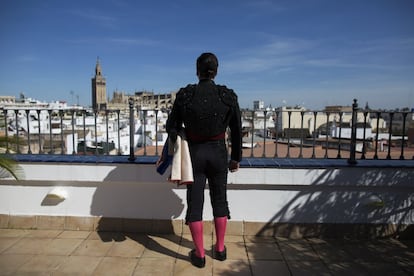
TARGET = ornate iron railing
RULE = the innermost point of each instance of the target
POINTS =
(350, 134)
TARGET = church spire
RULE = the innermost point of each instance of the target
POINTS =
(99, 100)
(98, 70)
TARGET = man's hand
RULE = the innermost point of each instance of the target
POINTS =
(160, 160)
(234, 166)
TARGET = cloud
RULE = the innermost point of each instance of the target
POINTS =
(118, 41)
(133, 41)
(96, 18)
(340, 63)
(386, 44)
(278, 55)
(286, 54)
(26, 59)
(265, 5)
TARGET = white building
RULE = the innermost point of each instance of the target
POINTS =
(258, 105)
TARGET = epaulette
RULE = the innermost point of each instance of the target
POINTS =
(185, 94)
(227, 95)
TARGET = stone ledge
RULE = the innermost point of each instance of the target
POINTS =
(234, 228)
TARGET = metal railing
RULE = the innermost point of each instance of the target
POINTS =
(279, 133)
(381, 144)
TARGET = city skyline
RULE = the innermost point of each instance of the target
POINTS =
(310, 53)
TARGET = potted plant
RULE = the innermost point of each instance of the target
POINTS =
(7, 165)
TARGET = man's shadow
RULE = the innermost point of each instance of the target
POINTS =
(134, 202)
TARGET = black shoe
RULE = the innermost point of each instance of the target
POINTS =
(221, 256)
(197, 261)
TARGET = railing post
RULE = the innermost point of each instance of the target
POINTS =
(62, 149)
(352, 150)
(276, 132)
(40, 137)
(328, 129)
(315, 113)
(107, 131)
(156, 132)
(264, 133)
(29, 151)
(50, 132)
(16, 112)
(6, 131)
(340, 134)
(119, 132)
(131, 129)
(376, 135)
(84, 131)
(403, 135)
(144, 136)
(95, 112)
(288, 134)
(302, 113)
(390, 136)
(251, 152)
(73, 131)
(364, 147)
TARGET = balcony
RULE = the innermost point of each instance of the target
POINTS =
(304, 173)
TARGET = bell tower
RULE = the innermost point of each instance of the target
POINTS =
(98, 89)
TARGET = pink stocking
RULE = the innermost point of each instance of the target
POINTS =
(220, 224)
(196, 229)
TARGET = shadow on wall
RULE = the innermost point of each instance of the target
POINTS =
(348, 219)
(144, 194)
(348, 202)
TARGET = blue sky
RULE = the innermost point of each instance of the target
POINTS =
(309, 52)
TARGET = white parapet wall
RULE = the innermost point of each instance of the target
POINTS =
(354, 194)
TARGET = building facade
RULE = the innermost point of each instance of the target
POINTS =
(142, 100)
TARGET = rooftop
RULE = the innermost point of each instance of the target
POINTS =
(75, 214)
